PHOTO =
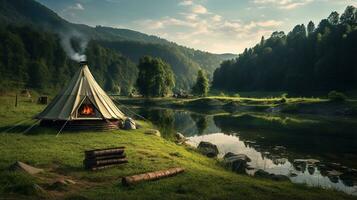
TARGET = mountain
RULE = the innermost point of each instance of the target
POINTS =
(307, 59)
(184, 61)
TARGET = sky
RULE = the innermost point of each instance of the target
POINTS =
(217, 26)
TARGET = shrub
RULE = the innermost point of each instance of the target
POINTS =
(236, 95)
(222, 94)
(337, 96)
(282, 100)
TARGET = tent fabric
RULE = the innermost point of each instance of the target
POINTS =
(83, 85)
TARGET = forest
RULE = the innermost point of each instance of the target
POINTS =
(37, 47)
(307, 59)
(33, 59)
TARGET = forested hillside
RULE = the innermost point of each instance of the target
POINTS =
(33, 59)
(320, 58)
(56, 39)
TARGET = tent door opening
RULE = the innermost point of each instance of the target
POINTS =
(87, 110)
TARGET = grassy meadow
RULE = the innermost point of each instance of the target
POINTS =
(61, 157)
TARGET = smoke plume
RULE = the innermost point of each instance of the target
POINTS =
(74, 44)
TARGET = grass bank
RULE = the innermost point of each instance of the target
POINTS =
(62, 157)
(316, 106)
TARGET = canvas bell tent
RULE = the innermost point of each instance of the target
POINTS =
(82, 104)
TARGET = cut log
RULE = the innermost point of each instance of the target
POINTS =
(103, 152)
(130, 180)
(90, 163)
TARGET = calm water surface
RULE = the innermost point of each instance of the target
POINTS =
(272, 142)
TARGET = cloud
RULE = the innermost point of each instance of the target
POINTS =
(76, 6)
(270, 23)
(201, 28)
(186, 3)
(216, 18)
(199, 9)
(283, 4)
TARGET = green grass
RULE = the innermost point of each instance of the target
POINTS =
(62, 156)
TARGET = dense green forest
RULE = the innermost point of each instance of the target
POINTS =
(36, 59)
(307, 59)
(37, 46)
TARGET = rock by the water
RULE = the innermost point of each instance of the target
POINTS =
(20, 166)
(234, 156)
(208, 149)
(349, 178)
(180, 138)
(311, 169)
(153, 132)
(129, 124)
(334, 173)
(236, 162)
(276, 177)
(278, 148)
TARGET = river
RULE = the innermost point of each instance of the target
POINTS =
(274, 142)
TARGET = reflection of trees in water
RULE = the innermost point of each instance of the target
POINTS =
(163, 119)
(201, 122)
(323, 137)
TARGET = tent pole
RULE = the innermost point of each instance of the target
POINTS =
(59, 132)
(29, 128)
(16, 125)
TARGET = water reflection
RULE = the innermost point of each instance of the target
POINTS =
(309, 175)
(274, 142)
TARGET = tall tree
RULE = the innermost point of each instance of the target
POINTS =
(155, 78)
(334, 18)
(201, 87)
(310, 28)
(349, 16)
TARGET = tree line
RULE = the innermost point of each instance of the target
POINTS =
(35, 59)
(312, 58)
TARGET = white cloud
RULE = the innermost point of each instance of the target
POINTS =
(186, 3)
(284, 4)
(76, 6)
(269, 23)
(200, 28)
(199, 9)
(216, 18)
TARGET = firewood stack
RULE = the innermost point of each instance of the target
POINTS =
(104, 158)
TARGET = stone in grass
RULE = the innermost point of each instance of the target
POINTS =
(236, 162)
(61, 184)
(129, 124)
(180, 138)
(153, 132)
(276, 177)
(20, 166)
(208, 149)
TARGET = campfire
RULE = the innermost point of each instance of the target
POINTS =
(87, 110)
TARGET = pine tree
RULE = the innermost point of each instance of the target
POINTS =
(201, 87)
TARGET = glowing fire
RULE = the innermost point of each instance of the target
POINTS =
(87, 110)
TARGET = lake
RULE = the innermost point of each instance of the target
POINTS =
(273, 142)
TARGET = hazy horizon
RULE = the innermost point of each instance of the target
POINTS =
(225, 26)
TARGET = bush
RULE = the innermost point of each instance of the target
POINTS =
(221, 94)
(236, 95)
(337, 96)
